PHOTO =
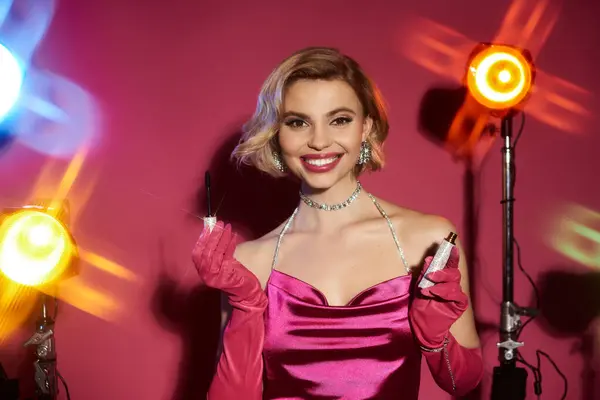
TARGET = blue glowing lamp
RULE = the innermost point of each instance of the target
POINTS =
(11, 80)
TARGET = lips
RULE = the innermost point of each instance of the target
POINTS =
(319, 163)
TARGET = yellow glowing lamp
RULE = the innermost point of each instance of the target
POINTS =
(36, 248)
(500, 77)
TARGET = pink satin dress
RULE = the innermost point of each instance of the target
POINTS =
(363, 350)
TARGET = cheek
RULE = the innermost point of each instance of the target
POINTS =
(351, 140)
(290, 142)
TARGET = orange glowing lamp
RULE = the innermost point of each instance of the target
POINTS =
(500, 77)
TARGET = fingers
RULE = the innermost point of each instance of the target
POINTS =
(448, 292)
(216, 258)
(207, 245)
(445, 275)
(452, 263)
(446, 285)
(426, 264)
(206, 233)
(207, 229)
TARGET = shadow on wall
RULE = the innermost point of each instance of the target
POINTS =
(570, 307)
(254, 204)
(438, 109)
(194, 314)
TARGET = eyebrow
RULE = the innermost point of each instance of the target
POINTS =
(329, 114)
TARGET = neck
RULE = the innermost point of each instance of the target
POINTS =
(310, 218)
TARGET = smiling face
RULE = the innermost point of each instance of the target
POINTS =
(322, 128)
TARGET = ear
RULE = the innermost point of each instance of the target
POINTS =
(367, 127)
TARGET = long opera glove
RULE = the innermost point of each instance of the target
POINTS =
(456, 369)
(240, 368)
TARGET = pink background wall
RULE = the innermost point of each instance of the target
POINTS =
(174, 80)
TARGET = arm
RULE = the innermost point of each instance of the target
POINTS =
(463, 329)
(239, 370)
(240, 367)
(444, 326)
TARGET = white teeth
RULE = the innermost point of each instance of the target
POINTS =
(320, 161)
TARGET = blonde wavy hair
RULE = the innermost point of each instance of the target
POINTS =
(259, 140)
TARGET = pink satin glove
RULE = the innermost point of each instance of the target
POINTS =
(456, 369)
(436, 308)
(213, 258)
(240, 368)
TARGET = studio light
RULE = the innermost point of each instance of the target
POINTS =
(500, 78)
(36, 247)
(37, 250)
(11, 81)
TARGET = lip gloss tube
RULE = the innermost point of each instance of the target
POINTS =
(440, 259)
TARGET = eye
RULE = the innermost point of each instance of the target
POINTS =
(295, 123)
(340, 121)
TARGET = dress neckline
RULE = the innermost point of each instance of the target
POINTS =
(306, 289)
(310, 289)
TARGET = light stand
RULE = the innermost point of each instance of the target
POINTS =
(509, 381)
(38, 250)
(46, 375)
(499, 78)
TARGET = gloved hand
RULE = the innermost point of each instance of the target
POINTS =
(456, 369)
(436, 308)
(240, 368)
(213, 258)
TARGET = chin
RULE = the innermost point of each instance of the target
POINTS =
(321, 182)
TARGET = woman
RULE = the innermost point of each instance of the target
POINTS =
(326, 303)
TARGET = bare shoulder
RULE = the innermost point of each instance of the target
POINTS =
(257, 255)
(418, 231)
(429, 228)
(416, 223)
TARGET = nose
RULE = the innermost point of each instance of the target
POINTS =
(319, 139)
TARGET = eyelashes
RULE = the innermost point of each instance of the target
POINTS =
(342, 120)
(297, 123)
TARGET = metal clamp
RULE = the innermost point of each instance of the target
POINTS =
(509, 346)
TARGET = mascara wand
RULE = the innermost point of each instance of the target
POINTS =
(208, 196)
(210, 220)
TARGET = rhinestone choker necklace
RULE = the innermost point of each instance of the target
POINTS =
(332, 207)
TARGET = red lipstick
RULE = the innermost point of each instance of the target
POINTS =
(320, 163)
